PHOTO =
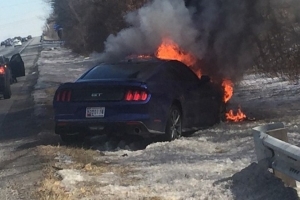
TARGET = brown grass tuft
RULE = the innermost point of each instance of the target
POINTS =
(84, 160)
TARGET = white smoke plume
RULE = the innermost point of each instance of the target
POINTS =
(149, 25)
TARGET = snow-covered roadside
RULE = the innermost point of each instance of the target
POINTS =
(56, 66)
(215, 163)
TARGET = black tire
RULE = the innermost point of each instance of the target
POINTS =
(174, 124)
(72, 139)
(7, 92)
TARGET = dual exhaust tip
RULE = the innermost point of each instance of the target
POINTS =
(100, 128)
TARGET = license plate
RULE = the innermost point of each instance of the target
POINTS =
(95, 112)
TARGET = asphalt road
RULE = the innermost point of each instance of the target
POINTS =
(19, 165)
(10, 50)
(5, 105)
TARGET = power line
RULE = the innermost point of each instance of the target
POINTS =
(18, 4)
(19, 21)
(25, 12)
(37, 16)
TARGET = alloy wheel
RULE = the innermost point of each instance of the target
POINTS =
(174, 128)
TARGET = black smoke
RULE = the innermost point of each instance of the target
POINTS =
(220, 33)
(227, 34)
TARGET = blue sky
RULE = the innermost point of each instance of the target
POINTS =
(22, 17)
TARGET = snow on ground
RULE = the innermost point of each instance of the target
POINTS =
(214, 163)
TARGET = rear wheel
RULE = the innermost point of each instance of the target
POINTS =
(174, 122)
(7, 92)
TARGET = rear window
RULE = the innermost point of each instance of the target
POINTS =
(135, 71)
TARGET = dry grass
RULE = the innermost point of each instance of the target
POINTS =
(50, 188)
(220, 150)
(84, 160)
(152, 198)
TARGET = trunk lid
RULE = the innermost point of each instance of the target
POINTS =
(100, 91)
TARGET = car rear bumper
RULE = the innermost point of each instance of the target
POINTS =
(119, 118)
(94, 127)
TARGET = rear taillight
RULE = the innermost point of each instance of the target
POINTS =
(136, 95)
(2, 69)
(63, 96)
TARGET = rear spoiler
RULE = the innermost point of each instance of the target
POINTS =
(82, 83)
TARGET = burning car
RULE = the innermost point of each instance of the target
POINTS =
(143, 96)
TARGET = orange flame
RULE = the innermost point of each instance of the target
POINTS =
(228, 90)
(169, 50)
(239, 116)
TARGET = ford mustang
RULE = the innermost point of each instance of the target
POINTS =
(144, 96)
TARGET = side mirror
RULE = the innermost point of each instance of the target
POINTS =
(205, 79)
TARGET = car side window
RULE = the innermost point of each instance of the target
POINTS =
(183, 72)
(16, 58)
(170, 74)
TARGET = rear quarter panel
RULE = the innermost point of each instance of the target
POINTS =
(163, 94)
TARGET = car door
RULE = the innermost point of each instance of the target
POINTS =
(16, 65)
(193, 101)
(209, 99)
(7, 69)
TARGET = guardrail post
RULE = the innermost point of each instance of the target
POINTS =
(281, 134)
(265, 155)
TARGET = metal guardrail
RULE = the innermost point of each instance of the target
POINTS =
(275, 153)
(52, 43)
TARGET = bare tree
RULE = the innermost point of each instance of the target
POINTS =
(87, 23)
(279, 47)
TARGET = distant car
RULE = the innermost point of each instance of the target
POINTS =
(24, 39)
(17, 42)
(8, 68)
(8, 43)
(17, 38)
(29, 37)
(146, 98)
